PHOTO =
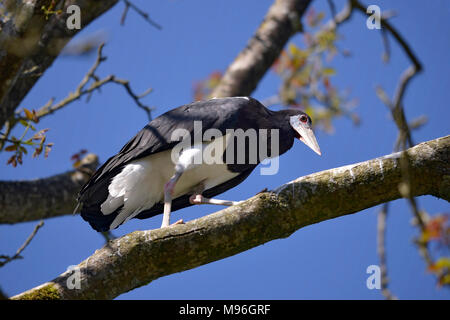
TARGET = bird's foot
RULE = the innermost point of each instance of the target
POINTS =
(199, 199)
(196, 199)
(181, 221)
(178, 222)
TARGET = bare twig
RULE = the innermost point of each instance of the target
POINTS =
(387, 47)
(124, 14)
(342, 16)
(25, 54)
(83, 89)
(7, 259)
(403, 141)
(332, 8)
(401, 41)
(129, 4)
(381, 234)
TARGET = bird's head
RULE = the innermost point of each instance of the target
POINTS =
(301, 123)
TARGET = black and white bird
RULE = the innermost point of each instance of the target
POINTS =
(145, 178)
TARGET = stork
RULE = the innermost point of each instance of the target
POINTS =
(163, 168)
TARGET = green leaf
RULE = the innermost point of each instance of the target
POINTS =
(443, 262)
(23, 122)
(28, 114)
(28, 142)
(328, 71)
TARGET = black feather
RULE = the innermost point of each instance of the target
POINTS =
(221, 114)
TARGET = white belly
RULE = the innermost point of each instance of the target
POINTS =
(140, 185)
(162, 169)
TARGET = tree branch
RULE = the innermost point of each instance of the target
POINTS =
(29, 43)
(281, 22)
(83, 89)
(381, 235)
(140, 257)
(17, 255)
(143, 14)
(22, 201)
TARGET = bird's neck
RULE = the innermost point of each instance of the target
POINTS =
(280, 121)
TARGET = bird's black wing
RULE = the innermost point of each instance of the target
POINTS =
(155, 137)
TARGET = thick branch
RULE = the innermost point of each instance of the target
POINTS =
(30, 200)
(30, 42)
(143, 14)
(140, 257)
(281, 22)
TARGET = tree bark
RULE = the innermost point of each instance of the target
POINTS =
(140, 257)
(30, 42)
(22, 201)
(244, 73)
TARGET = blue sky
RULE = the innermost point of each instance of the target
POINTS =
(323, 261)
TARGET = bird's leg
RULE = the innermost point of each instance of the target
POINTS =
(199, 199)
(168, 192)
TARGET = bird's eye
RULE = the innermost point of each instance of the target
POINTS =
(304, 119)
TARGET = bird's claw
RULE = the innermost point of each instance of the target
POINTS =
(196, 199)
(177, 222)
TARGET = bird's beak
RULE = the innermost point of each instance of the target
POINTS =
(307, 136)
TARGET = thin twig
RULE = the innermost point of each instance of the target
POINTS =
(401, 41)
(342, 16)
(381, 245)
(81, 89)
(332, 8)
(387, 47)
(403, 141)
(129, 4)
(124, 14)
(7, 259)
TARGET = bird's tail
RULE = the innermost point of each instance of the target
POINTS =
(98, 221)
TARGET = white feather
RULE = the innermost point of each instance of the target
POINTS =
(140, 185)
